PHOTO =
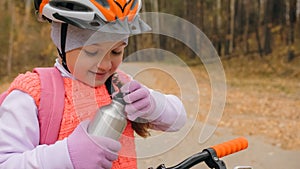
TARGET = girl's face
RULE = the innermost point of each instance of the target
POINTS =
(94, 64)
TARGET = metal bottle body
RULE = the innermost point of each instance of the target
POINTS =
(109, 121)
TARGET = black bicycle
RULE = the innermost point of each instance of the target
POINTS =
(211, 156)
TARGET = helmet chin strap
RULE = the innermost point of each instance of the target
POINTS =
(63, 38)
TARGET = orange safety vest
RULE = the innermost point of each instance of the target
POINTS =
(81, 102)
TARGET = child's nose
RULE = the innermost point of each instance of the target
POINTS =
(105, 64)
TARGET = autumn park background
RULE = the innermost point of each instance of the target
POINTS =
(258, 42)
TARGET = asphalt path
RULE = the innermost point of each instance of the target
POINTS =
(172, 148)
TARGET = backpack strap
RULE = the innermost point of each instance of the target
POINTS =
(51, 104)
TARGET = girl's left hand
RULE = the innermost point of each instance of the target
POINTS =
(164, 112)
(139, 102)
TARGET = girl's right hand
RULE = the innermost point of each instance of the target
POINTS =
(91, 152)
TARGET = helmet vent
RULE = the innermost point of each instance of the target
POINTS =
(103, 3)
(95, 24)
(133, 4)
(70, 6)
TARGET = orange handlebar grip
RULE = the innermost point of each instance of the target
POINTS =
(230, 147)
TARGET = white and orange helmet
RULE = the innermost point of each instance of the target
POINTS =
(119, 16)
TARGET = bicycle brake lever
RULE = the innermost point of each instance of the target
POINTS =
(213, 160)
(162, 166)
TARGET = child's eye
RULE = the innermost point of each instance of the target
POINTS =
(91, 53)
(116, 52)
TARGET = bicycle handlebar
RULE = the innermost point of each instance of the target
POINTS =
(230, 147)
(211, 155)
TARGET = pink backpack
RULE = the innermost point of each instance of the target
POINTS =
(51, 103)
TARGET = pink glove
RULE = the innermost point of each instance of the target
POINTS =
(165, 112)
(91, 152)
(140, 102)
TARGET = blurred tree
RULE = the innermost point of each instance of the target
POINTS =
(247, 6)
(292, 18)
(11, 7)
(228, 28)
(257, 19)
(28, 13)
(190, 14)
(218, 27)
(269, 4)
(232, 25)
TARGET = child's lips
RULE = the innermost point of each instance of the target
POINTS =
(99, 75)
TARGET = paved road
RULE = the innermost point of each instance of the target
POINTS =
(259, 154)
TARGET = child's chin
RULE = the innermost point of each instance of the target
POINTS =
(92, 83)
(96, 83)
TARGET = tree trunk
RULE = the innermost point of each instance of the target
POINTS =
(190, 36)
(201, 15)
(218, 27)
(11, 37)
(155, 23)
(257, 28)
(292, 21)
(28, 13)
(298, 12)
(199, 19)
(227, 43)
(282, 19)
(232, 25)
(268, 26)
(240, 18)
(246, 30)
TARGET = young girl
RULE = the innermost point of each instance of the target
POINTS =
(86, 65)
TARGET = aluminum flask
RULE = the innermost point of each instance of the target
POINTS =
(109, 121)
